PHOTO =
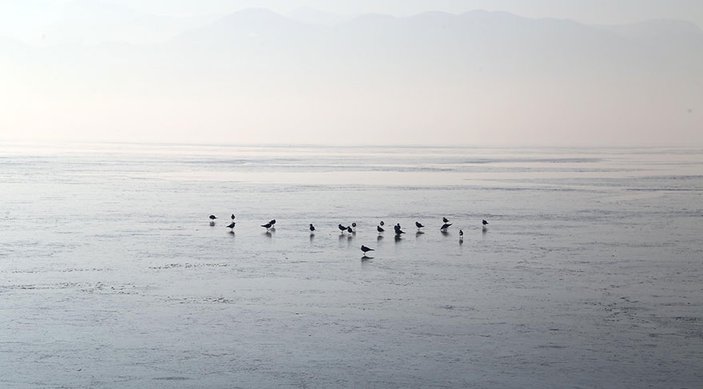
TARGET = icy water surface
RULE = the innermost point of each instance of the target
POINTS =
(589, 274)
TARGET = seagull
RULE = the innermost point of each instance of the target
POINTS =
(379, 229)
(484, 222)
(418, 225)
(213, 217)
(366, 249)
(341, 227)
(231, 226)
(444, 219)
(267, 225)
(312, 228)
(445, 226)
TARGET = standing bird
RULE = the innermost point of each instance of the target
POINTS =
(397, 229)
(267, 226)
(445, 226)
(312, 228)
(484, 222)
(444, 219)
(379, 229)
(418, 225)
(366, 249)
(231, 226)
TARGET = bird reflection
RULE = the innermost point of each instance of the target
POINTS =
(379, 238)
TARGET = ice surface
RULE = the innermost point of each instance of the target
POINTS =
(589, 274)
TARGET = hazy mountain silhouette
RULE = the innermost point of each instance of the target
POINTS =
(435, 76)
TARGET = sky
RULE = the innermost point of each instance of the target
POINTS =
(200, 72)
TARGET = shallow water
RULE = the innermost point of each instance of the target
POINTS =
(589, 274)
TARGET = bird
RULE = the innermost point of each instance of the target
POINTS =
(341, 227)
(379, 229)
(366, 249)
(484, 222)
(382, 223)
(213, 217)
(398, 230)
(312, 228)
(233, 216)
(418, 225)
(350, 230)
(444, 219)
(231, 226)
(267, 225)
(461, 234)
(445, 226)
(273, 222)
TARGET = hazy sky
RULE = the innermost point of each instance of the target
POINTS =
(175, 71)
(588, 11)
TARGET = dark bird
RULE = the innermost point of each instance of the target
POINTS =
(273, 222)
(445, 226)
(267, 225)
(366, 249)
(233, 217)
(231, 226)
(397, 229)
(444, 219)
(312, 228)
(418, 225)
(213, 217)
(379, 229)
(484, 222)
(341, 227)
(382, 223)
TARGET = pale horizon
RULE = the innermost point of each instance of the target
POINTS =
(312, 73)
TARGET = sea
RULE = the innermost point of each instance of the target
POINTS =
(589, 273)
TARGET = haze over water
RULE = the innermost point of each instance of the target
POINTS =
(587, 276)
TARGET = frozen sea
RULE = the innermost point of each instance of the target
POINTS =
(589, 275)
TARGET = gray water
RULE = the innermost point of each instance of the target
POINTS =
(589, 274)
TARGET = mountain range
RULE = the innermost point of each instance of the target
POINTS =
(315, 77)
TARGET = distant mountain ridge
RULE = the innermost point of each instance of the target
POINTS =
(439, 76)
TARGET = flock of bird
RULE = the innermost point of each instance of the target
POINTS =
(269, 226)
